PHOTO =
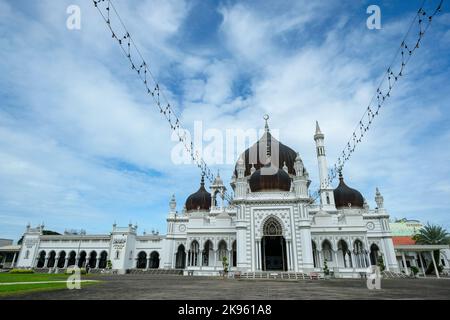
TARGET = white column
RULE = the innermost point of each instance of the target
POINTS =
(435, 266)
(320, 258)
(46, 262)
(352, 258)
(14, 258)
(404, 263)
(66, 262)
(258, 255)
(421, 263)
(336, 264)
(288, 255)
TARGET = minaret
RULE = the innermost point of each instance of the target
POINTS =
(241, 181)
(379, 200)
(218, 189)
(326, 191)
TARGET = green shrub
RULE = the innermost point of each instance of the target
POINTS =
(21, 271)
(414, 270)
(380, 263)
(326, 271)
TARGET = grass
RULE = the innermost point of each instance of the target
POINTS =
(8, 290)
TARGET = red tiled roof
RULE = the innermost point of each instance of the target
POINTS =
(403, 240)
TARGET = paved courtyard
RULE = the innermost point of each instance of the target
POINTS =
(203, 288)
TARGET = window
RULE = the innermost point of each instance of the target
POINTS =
(27, 254)
(117, 254)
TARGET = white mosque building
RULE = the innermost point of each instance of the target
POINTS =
(272, 224)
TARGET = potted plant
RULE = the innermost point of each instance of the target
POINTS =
(380, 264)
(326, 271)
(414, 271)
(225, 265)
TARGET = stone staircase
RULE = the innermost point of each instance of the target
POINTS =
(278, 275)
(156, 271)
(393, 275)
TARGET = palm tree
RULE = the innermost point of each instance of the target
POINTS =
(432, 235)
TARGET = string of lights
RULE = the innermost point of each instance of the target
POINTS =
(421, 23)
(410, 43)
(120, 33)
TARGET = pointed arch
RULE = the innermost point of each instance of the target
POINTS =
(180, 258)
(154, 260)
(51, 259)
(41, 259)
(272, 226)
(61, 259)
(327, 250)
(103, 260)
(141, 260)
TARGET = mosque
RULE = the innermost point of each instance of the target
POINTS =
(271, 225)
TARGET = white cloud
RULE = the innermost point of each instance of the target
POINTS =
(82, 144)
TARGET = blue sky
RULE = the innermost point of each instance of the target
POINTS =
(81, 146)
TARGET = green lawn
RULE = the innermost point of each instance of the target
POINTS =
(7, 290)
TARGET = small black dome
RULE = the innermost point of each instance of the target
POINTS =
(277, 181)
(346, 197)
(201, 200)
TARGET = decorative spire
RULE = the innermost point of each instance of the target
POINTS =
(318, 128)
(173, 204)
(202, 182)
(266, 118)
(252, 169)
(318, 135)
(379, 199)
(285, 168)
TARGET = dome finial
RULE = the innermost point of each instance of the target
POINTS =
(266, 118)
(202, 182)
(341, 177)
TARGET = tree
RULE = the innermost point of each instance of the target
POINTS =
(45, 233)
(432, 235)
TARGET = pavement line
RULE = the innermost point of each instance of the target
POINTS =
(37, 282)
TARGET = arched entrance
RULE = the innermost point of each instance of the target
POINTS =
(41, 260)
(374, 254)
(51, 260)
(61, 259)
(234, 254)
(154, 260)
(82, 259)
(72, 258)
(141, 260)
(273, 246)
(102, 263)
(180, 260)
(93, 260)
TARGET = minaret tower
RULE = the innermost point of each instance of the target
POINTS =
(326, 191)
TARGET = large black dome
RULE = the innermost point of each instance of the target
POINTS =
(346, 197)
(286, 155)
(265, 182)
(201, 200)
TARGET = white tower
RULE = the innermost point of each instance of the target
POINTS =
(218, 190)
(326, 191)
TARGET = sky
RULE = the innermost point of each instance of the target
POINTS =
(82, 146)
